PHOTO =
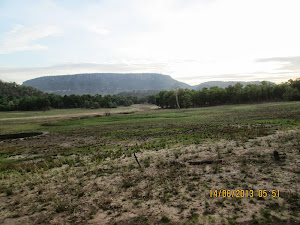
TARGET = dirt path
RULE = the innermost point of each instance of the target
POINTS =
(133, 108)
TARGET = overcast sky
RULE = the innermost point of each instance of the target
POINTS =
(191, 40)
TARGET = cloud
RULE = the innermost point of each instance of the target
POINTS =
(204, 39)
(20, 74)
(22, 38)
(291, 64)
(256, 76)
(280, 59)
(96, 29)
(175, 69)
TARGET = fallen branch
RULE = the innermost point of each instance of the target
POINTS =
(204, 162)
(136, 159)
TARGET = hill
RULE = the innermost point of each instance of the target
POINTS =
(223, 84)
(103, 83)
(17, 97)
(124, 84)
(13, 89)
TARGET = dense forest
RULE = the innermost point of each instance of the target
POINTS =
(233, 94)
(17, 97)
(139, 93)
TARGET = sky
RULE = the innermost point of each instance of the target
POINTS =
(193, 41)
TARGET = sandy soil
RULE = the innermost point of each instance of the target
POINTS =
(132, 109)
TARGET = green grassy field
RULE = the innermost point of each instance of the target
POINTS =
(82, 169)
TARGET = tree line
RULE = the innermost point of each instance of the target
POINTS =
(233, 94)
(17, 97)
(11, 103)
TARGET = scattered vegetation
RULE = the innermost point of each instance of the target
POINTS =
(83, 170)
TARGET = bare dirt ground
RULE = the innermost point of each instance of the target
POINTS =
(166, 190)
(182, 191)
(131, 109)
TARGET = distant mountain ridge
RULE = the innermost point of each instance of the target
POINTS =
(114, 83)
(223, 84)
(103, 83)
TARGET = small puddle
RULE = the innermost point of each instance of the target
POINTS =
(19, 135)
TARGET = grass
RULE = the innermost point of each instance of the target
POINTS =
(84, 171)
